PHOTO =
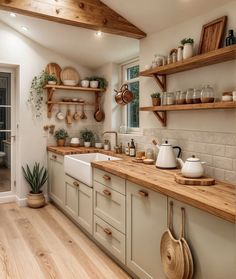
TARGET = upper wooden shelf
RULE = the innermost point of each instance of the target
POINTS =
(74, 88)
(206, 59)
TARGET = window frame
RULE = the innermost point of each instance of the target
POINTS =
(124, 67)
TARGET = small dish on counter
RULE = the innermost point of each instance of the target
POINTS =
(148, 161)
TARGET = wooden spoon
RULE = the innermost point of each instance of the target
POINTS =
(83, 115)
(69, 117)
(76, 115)
(99, 114)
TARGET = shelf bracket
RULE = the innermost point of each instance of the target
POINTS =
(161, 116)
(161, 81)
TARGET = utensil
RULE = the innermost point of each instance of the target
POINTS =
(99, 114)
(54, 69)
(83, 115)
(166, 158)
(69, 74)
(192, 167)
(60, 115)
(68, 117)
(188, 259)
(172, 256)
(76, 115)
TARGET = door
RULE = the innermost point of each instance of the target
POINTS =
(7, 131)
(146, 222)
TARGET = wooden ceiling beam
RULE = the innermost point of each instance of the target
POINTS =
(90, 14)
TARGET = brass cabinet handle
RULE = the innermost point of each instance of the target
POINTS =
(107, 231)
(106, 177)
(54, 156)
(106, 192)
(76, 183)
(143, 193)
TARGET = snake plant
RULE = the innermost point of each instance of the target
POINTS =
(36, 177)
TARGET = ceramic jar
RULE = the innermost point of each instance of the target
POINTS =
(93, 84)
(85, 83)
(187, 51)
(180, 53)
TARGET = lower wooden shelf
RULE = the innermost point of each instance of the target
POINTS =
(161, 111)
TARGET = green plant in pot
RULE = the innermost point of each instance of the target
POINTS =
(87, 136)
(98, 82)
(61, 135)
(36, 178)
(156, 99)
(50, 78)
(188, 47)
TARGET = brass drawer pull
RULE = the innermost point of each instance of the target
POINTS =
(106, 192)
(106, 177)
(143, 193)
(107, 231)
(76, 183)
(54, 156)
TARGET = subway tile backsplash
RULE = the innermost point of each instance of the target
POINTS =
(218, 150)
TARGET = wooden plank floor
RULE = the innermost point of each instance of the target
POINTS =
(44, 243)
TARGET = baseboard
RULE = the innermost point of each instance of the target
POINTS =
(7, 199)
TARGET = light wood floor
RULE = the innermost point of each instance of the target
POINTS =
(44, 243)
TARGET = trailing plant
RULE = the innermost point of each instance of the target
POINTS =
(187, 41)
(102, 82)
(156, 95)
(36, 177)
(87, 135)
(61, 134)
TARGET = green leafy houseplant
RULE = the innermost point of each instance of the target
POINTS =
(50, 77)
(61, 135)
(87, 136)
(156, 99)
(156, 95)
(102, 82)
(36, 178)
(187, 41)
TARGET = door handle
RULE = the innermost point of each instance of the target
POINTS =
(143, 193)
(14, 138)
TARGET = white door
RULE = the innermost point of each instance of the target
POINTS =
(7, 131)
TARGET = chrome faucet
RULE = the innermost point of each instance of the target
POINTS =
(112, 132)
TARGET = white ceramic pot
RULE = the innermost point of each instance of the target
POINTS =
(106, 147)
(51, 82)
(98, 144)
(187, 51)
(192, 167)
(93, 84)
(87, 144)
(85, 83)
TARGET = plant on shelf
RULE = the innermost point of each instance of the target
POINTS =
(61, 135)
(98, 82)
(98, 143)
(188, 47)
(156, 99)
(50, 78)
(36, 178)
(87, 136)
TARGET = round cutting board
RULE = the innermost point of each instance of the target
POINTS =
(70, 73)
(203, 181)
(54, 68)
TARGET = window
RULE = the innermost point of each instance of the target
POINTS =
(131, 77)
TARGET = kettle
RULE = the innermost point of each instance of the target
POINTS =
(192, 168)
(166, 158)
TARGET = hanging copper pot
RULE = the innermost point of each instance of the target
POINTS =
(124, 95)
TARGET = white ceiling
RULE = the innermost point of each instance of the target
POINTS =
(83, 46)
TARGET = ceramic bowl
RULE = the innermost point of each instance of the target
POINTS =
(85, 83)
(75, 100)
(98, 144)
(69, 82)
(50, 82)
(74, 140)
(93, 84)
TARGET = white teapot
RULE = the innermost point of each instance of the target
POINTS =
(192, 167)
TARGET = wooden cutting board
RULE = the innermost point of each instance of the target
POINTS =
(204, 181)
(54, 68)
(70, 73)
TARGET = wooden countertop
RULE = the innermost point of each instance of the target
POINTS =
(219, 199)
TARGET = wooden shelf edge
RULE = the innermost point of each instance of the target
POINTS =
(197, 61)
(70, 103)
(75, 88)
(218, 105)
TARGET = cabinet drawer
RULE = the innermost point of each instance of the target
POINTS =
(110, 180)
(56, 157)
(110, 206)
(110, 238)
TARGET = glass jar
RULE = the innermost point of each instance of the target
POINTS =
(170, 98)
(207, 94)
(159, 59)
(181, 99)
(196, 96)
(149, 152)
(164, 99)
(189, 96)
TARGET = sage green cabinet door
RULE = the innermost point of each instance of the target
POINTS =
(146, 222)
(56, 178)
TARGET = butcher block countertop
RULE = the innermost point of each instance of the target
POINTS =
(219, 199)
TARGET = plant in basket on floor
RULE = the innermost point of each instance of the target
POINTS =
(36, 178)
(87, 136)
(156, 99)
(61, 135)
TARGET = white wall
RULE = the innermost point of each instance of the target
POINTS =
(31, 60)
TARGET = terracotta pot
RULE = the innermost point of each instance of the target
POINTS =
(61, 142)
(35, 200)
(156, 101)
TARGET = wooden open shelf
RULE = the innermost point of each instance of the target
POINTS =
(51, 89)
(161, 111)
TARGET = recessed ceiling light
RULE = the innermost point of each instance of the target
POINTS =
(24, 28)
(12, 14)
(98, 33)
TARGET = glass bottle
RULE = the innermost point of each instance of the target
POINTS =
(163, 98)
(189, 96)
(132, 149)
(231, 39)
(207, 94)
(196, 96)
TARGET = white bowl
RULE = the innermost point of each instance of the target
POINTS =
(85, 83)
(69, 82)
(74, 140)
(51, 82)
(93, 84)
(98, 144)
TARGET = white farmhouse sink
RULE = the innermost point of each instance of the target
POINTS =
(79, 166)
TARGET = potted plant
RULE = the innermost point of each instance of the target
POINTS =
(156, 99)
(98, 143)
(188, 47)
(36, 178)
(61, 136)
(50, 78)
(98, 82)
(85, 82)
(87, 136)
